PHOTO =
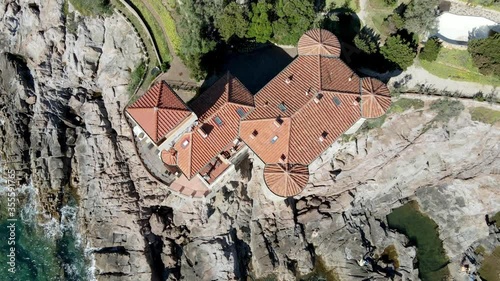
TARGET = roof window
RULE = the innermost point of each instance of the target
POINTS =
(282, 106)
(218, 121)
(274, 139)
(240, 111)
(185, 143)
(337, 101)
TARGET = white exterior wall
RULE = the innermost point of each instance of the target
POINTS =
(354, 128)
(177, 132)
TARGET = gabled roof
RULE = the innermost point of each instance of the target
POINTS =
(318, 42)
(200, 149)
(375, 98)
(158, 111)
(228, 89)
(286, 179)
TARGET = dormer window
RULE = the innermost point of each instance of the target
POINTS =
(318, 97)
(218, 121)
(323, 136)
(254, 134)
(274, 139)
(278, 121)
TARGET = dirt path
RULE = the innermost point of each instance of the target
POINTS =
(419, 76)
(363, 4)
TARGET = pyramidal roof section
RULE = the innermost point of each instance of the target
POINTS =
(375, 98)
(319, 42)
(286, 179)
(158, 111)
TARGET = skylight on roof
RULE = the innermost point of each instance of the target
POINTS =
(274, 139)
(337, 101)
(240, 111)
(282, 107)
(218, 121)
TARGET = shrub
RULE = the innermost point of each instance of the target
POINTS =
(136, 77)
(398, 51)
(92, 7)
(486, 54)
(390, 2)
(431, 50)
(367, 41)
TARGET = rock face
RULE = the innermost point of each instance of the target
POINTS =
(63, 85)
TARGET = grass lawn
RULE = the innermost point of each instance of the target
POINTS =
(154, 26)
(352, 4)
(490, 269)
(488, 116)
(457, 65)
(403, 104)
(169, 24)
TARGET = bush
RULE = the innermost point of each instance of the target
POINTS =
(367, 41)
(431, 50)
(136, 77)
(486, 54)
(390, 2)
(398, 51)
(92, 7)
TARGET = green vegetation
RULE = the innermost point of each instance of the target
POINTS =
(136, 77)
(367, 41)
(92, 7)
(320, 272)
(294, 18)
(399, 51)
(490, 269)
(457, 65)
(480, 250)
(155, 28)
(422, 232)
(349, 4)
(496, 219)
(168, 23)
(374, 123)
(487, 116)
(431, 50)
(420, 16)
(486, 54)
(488, 4)
(390, 255)
(446, 110)
(260, 25)
(403, 104)
(233, 21)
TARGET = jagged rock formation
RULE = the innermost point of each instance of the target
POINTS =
(62, 111)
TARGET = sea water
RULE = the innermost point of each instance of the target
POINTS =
(43, 251)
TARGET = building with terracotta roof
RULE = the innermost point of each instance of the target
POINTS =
(289, 123)
(305, 108)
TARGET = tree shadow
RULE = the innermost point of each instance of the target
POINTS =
(254, 66)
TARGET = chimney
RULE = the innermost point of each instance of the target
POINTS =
(318, 97)
(282, 158)
(254, 134)
(323, 136)
(278, 122)
(289, 79)
(202, 132)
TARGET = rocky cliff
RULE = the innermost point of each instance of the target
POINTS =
(64, 88)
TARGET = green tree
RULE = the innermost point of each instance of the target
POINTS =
(233, 21)
(431, 50)
(92, 7)
(420, 16)
(398, 51)
(366, 40)
(260, 26)
(294, 18)
(486, 54)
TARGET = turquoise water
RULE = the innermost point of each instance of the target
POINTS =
(49, 252)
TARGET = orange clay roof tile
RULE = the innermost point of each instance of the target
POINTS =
(158, 111)
(375, 98)
(286, 179)
(318, 42)
(201, 150)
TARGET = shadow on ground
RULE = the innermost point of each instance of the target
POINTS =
(254, 69)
